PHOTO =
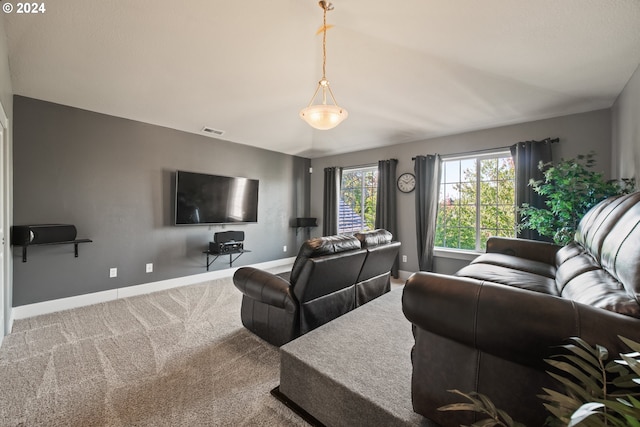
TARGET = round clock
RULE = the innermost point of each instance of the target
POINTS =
(406, 182)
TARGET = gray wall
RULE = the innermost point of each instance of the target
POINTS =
(112, 178)
(578, 134)
(626, 131)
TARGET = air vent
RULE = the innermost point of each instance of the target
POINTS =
(212, 131)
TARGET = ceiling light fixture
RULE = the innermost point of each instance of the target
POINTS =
(324, 116)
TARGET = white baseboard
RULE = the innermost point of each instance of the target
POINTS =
(404, 275)
(46, 307)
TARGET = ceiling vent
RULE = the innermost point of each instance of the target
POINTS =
(212, 131)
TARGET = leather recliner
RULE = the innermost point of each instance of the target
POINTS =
(330, 277)
(489, 327)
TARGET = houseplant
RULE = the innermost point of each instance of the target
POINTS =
(570, 187)
(597, 393)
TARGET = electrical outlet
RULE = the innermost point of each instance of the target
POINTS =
(149, 268)
(284, 248)
(404, 258)
(113, 272)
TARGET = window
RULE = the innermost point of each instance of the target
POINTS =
(477, 200)
(358, 194)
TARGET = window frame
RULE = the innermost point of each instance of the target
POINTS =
(365, 169)
(478, 157)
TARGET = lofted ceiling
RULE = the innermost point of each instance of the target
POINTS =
(405, 71)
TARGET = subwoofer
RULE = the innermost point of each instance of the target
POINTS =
(36, 234)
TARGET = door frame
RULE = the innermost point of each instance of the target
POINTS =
(6, 193)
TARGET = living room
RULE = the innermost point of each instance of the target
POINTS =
(78, 160)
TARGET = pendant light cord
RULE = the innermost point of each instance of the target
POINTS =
(324, 42)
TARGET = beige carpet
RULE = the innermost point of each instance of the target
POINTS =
(173, 358)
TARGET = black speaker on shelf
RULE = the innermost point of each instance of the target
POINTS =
(306, 222)
(228, 236)
(227, 242)
(36, 234)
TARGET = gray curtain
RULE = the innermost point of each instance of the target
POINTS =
(427, 171)
(332, 178)
(386, 202)
(526, 157)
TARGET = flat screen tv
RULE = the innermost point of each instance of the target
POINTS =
(214, 199)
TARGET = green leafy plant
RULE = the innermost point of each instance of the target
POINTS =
(483, 405)
(570, 188)
(597, 393)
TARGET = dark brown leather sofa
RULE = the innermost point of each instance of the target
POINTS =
(330, 277)
(489, 327)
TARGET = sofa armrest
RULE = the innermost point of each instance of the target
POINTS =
(510, 323)
(265, 287)
(523, 248)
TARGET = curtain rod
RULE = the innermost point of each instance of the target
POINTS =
(487, 150)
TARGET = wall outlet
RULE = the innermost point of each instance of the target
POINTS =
(149, 268)
(113, 272)
(284, 248)
(404, 258)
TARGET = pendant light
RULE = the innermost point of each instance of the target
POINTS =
(323, 116)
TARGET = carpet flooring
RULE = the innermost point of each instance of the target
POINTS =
(173, 358)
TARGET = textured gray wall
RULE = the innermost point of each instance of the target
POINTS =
(578, 133)
(112, 178)
(626, 131)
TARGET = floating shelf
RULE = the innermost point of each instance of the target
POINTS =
(68, 242)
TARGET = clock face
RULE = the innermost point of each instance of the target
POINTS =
(406, 182)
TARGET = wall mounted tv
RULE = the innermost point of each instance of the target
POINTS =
(214, 199)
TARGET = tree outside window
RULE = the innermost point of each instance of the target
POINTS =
(358, 195)
(477, 200)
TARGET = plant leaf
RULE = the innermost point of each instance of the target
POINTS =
(569, 369)
(584, 412)
(633, 345)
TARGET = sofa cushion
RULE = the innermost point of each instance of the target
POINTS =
(565, 253)
(321, 246)
(517, 263)
(374, 238)
(598, 288)
(510, 277)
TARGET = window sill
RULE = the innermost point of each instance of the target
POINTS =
(456, 254)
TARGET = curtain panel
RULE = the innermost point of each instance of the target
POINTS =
(427, 171)
(526, 156)
(386, 206)
(332, 179)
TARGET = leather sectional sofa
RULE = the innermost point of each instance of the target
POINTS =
(330, 277)
(489, 327)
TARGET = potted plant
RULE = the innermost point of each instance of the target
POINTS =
(570, 187)
(597, 392)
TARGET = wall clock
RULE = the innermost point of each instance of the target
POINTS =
(406, 182)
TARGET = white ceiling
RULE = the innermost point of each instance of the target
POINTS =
(405, 71)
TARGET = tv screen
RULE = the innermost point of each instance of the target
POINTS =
(215, 199)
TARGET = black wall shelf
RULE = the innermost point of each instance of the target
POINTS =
(69, 242)
(232, 259)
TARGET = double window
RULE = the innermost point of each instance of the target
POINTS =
(477, 200)
(358, 196)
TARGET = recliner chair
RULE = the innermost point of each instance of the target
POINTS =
(330, 277)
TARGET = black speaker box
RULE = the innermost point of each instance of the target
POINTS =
(306, 222)
(228, 236)
(42, 233)
(225, 248)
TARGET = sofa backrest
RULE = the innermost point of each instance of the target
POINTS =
(601, 268)
(321, 246)
(381, 253)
